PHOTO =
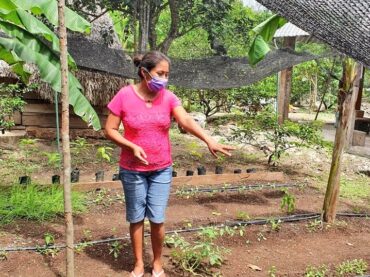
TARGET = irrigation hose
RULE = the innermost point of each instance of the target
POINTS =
(283, 219)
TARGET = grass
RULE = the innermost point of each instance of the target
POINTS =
(355, 189)
(36, 203)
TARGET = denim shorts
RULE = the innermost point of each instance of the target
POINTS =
(146, 193)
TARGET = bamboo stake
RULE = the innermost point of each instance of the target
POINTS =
(65, 141)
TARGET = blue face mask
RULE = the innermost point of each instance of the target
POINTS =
(156, 84)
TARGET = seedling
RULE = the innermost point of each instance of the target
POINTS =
(3, 255)
(275, 224)
(272, 271)
(49, 239)
(115, 249)
(242, 216)
(314, 225)
(312, 271)
(87, 234)
(79, 248)
(287, 202)
(357, 267)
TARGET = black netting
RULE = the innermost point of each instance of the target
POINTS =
(343, 24)
(207, 73)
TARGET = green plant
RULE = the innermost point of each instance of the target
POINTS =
(287, 202)
(357, 266)
(115, 249)
(79, 248)
(49, 239)
(34, 202)
(243, 216)
(272, 271)
(312, 271)
(275, 224)
(104, 153)
(193, 148)
(29, 148)
(48, 251)
(29, 40)
(9, 103)
(278, 138)
(199, 256)
(3, 255)
(314, 225)
(79, 148)
(53, 160)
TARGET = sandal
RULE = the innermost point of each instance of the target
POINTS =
(134, 275)
(154, 274)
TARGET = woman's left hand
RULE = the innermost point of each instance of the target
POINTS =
(215, 147)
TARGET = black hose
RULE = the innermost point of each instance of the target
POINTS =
(262, 221)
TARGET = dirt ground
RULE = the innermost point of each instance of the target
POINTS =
(290, 250)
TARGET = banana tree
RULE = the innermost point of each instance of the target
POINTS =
(28, 40)
(264, 33)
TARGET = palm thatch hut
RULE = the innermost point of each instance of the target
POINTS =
(99, 72)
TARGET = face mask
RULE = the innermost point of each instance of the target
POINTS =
(156, 83)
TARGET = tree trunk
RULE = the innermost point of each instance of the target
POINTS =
(144, 17)
(345, 107)
(65, 141)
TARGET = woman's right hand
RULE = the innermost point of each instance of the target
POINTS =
(139, 153)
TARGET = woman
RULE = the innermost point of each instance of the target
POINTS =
(145, 109)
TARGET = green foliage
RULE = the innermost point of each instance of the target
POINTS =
(104, 153)
(200, 256)
(264, 32)
(243, 216)
(79, 149)
(314, 225)
(312, 271)
(287, 202)
(53, 159)
(49, 239)
(356, 266)
(11, 101)
(34, 202)
(280, 137)
(30, 40)
(115, 249)
(29, 148)
(272, 271)
(275, 224)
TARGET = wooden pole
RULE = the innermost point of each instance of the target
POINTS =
(285, 85)
(359, 97)
(345, 108)
(65, 141)
(356, 95)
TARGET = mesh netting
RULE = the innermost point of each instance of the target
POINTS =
(216, 72)
(343, 24)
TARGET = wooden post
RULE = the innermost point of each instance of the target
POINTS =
(345, 100)
(65, 141)
(285, 85)
(354, 101)
(359, 97)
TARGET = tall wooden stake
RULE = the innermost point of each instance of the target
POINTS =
(65, 141)
(348, 90)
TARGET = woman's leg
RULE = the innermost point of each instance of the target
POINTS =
(159, 184)
(137, 235)
(157, 236)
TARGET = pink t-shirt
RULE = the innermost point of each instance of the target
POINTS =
(145, 126)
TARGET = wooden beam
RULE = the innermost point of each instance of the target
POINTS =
(195, 181)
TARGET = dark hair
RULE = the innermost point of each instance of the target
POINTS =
(149, 61)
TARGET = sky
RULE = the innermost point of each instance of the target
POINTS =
(253, 4)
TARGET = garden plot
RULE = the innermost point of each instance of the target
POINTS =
(203, 216)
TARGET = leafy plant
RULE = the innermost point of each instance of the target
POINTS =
(272, 271)
(53, 160)
(287, 202)
(3, 255)
(104, 153)
(29, 40)
(357, 266)
(200, 256)
(275, 224)
(115, 249)
(312, 271)
(10, 101)
(243, 216)
(314, 225)
(263, 132)
(49, 239)
(28, 147)
(79, 148)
